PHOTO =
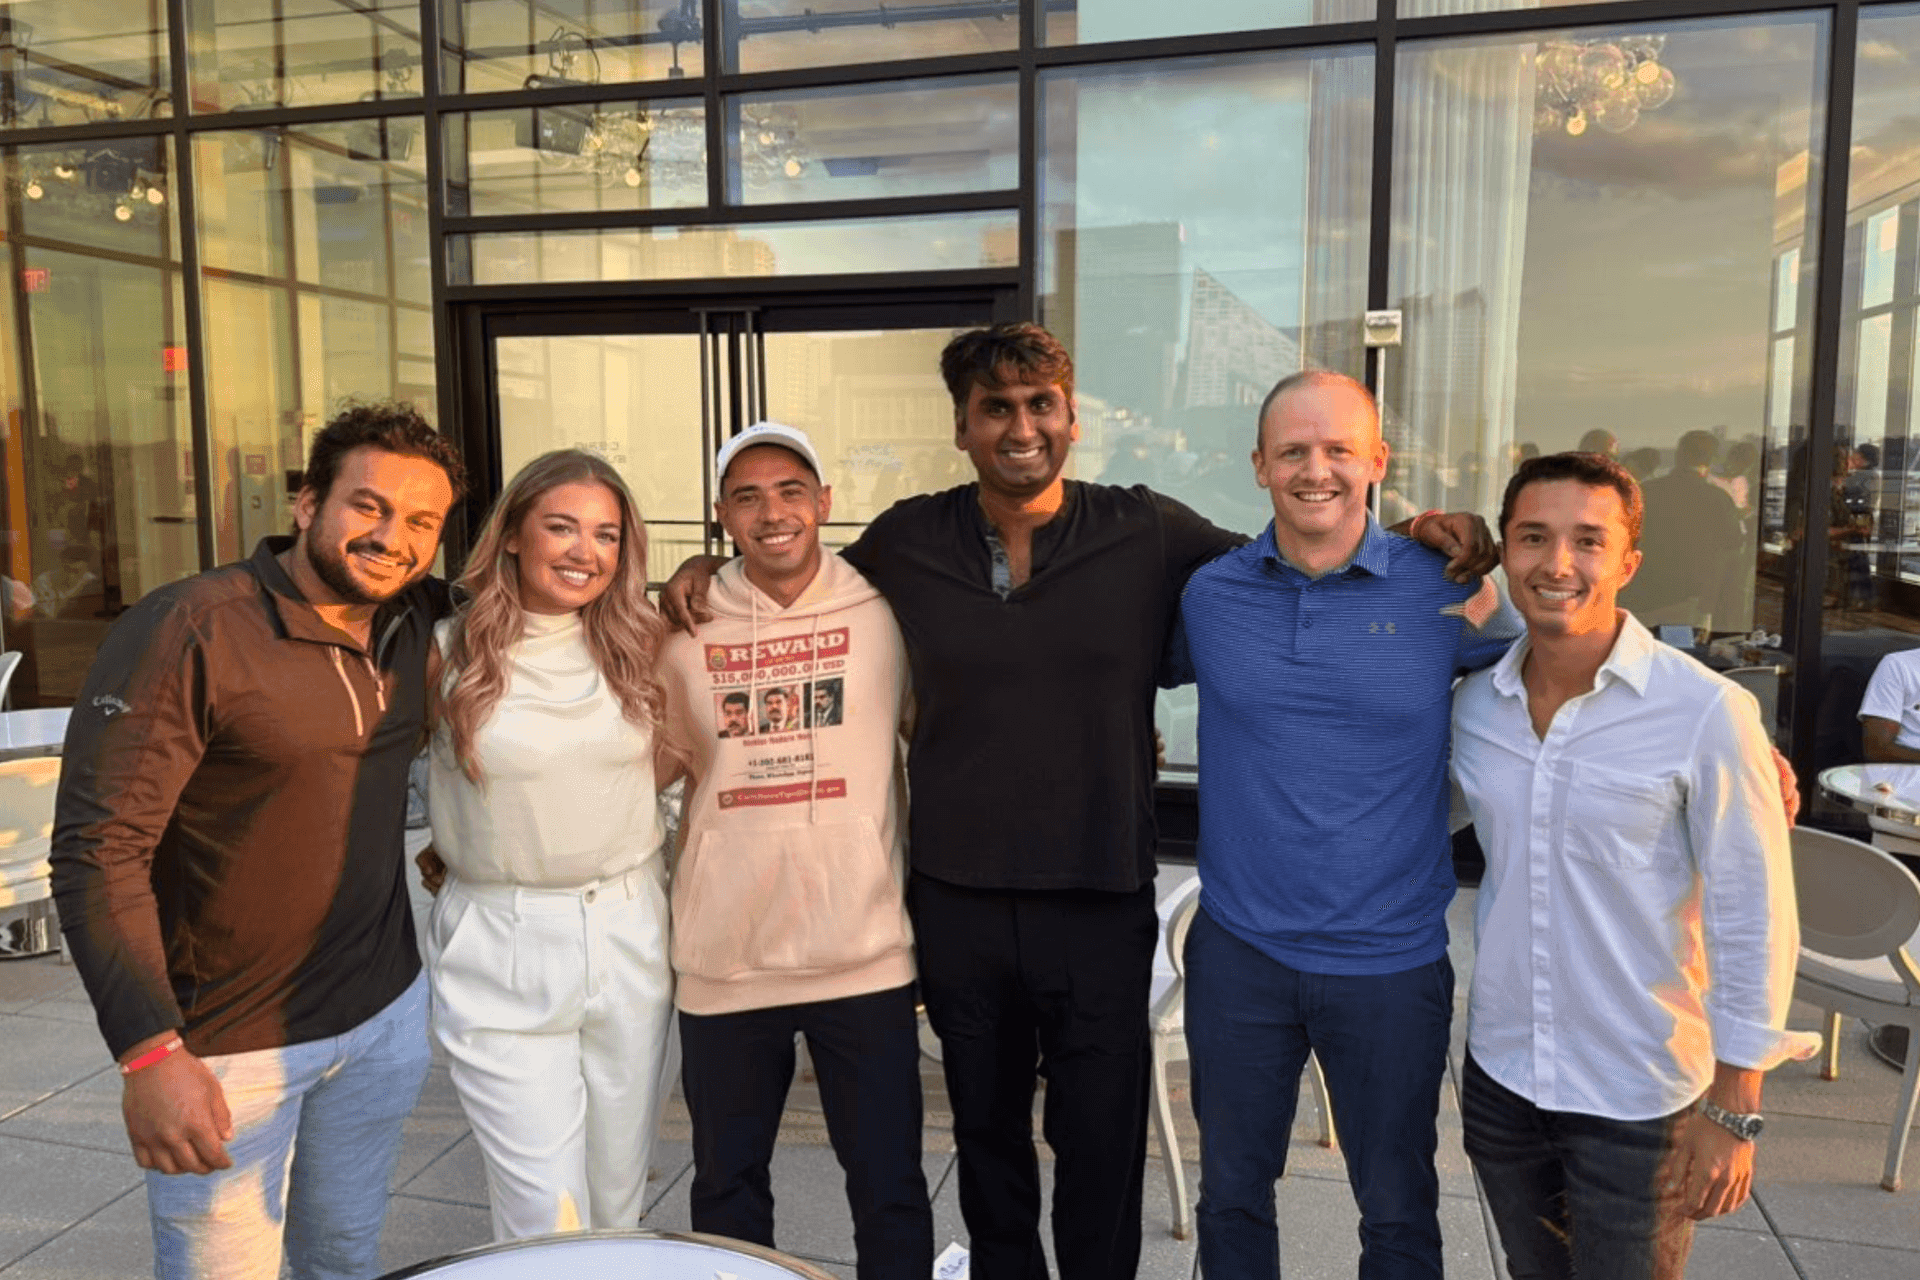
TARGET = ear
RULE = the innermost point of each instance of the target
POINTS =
(1380, 462)
(305, 507)
(826, 503)
(1073, 419)
(1259, 472)
(1630, 565)
(511, 543)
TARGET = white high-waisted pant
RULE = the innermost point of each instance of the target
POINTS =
(554, 1006)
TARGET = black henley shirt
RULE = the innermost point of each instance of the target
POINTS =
(1032, 754)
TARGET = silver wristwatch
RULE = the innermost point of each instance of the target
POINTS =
(1746, 1127)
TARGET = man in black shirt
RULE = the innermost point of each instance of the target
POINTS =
(1035, 610)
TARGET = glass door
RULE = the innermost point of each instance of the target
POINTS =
(656, 389)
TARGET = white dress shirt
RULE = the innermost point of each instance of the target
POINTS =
(1637, 918)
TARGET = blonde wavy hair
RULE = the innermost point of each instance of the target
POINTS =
(624, 632)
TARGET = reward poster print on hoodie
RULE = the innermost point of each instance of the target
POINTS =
(772, 693)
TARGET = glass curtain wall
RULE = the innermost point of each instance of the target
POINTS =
(1588, 233)
(1870, 505)
(98, 505)
(1202, 234)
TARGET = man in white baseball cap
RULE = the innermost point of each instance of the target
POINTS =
(788, 914)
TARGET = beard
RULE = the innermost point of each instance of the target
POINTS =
(330, 566)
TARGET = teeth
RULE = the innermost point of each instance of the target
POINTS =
(1316, 497)
(778, 539)
(1024, 454)
(1556, 595)
(573, 577)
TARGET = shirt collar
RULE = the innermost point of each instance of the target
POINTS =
(1374, 556)
(1630, 662)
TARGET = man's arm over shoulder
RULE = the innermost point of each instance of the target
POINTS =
(1490, 624)
(135, 737)
(1738, 829)
(1191, 539)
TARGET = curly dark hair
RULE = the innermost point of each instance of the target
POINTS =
(1594, 470)
(981, 355)
(394, 426)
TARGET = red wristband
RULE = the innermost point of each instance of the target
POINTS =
(1413, 529)
(153, 1055)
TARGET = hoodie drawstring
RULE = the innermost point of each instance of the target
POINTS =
(359, 724)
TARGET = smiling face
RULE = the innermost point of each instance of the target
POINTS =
(1018, 435)
(378, 528)
(1568, 552)
(1320, 448)
(567, 547)
(772, 506)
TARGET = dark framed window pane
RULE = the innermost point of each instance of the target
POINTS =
(851, 246)
(771, 35)
(577, 158)
(87, 62)
(99, 506)
(1203, 234)
(918, 137)
(492, 45)
(1097, 21)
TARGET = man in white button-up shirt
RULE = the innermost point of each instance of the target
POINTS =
(1636, 929)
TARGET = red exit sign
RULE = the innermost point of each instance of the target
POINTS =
(36, 279)
(173, 359)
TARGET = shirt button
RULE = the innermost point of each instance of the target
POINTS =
(590, 894)
(1306, 622)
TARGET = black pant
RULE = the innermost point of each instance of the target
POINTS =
(1057, 979)
(866, 1054)
(1573, 1194)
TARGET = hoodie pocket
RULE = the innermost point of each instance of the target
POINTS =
(807, 899)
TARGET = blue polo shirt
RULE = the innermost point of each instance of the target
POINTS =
(1325, 714)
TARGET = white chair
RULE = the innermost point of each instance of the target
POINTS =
(1859, 924)
(8, 661)
(1166, 1006)
(26, 831)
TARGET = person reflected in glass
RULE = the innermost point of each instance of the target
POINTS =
(1600, 441)
(1693, 540)
(547, 943)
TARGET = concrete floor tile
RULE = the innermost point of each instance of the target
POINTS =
(457, 1175)
(1820, 1179)
(1739, 1255)
(1865, 1091)
(114, 1243)
(1832, 1260)
(437, 1122)
(66, 1007)
(27, 982)
(85, 1115)
(49, 1188)
(418, 1230)
(39, 1057)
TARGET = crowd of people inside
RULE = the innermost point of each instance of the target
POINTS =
(920, 771)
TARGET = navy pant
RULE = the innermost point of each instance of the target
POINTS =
(1051, 984)
(1382, 1042)
(866, 1055)
(1574, 1194)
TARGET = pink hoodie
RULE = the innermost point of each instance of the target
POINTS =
(788, 885)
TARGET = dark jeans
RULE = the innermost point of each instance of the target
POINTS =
(866, 1055)
(1382, 1042)
(1574, 1194)
(1058, 979)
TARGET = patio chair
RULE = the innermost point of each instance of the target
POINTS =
(27, 924)
(1764, 684)
(8, 661)
(1166, 1007)
(1859, 924)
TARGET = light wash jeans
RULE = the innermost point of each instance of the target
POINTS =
(316, 1132)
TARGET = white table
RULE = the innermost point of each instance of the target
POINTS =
(32, 733)
(1888, 792)
(618, 1255)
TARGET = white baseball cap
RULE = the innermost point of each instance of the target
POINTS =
(774, 433)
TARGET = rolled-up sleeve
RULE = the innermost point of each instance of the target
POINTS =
(135, 737)
(1748, 915)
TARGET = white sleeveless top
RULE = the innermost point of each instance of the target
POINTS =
(567, 792)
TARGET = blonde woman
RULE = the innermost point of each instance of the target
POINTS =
(547, 945)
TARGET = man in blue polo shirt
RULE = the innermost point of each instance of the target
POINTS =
(1325, 652)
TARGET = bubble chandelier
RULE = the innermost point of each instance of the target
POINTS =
(1609, 83)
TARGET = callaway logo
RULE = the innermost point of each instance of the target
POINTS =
(1377, 627)
(109, 704)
